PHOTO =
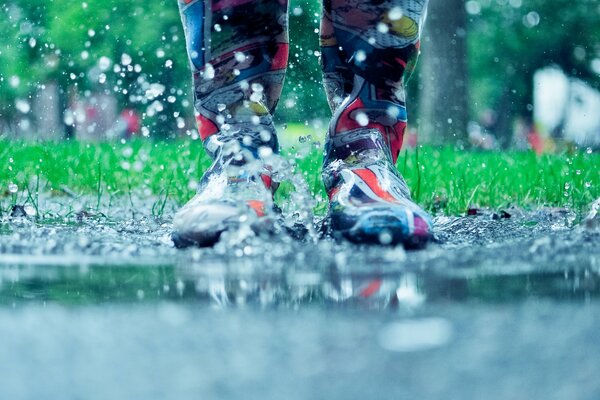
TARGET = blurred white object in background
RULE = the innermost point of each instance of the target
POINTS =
(566, 107)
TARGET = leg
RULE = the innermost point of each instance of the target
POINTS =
(238, 51)
(369, 49)
(338, 79)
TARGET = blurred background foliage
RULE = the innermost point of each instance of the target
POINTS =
(509, 40)
(486, 51)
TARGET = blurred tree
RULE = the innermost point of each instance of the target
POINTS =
(134, 52)
(510, 40)
(21, 27)
(128, 50)
(444, 110)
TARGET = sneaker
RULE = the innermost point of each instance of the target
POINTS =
(235, 192)
(369, 200)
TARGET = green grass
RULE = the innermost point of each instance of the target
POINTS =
(443, 180)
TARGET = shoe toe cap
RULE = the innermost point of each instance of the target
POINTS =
(203, 224)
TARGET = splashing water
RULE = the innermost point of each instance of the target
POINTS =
(297, 208)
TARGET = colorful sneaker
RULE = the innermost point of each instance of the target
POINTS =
(369, 200)
(235, 192)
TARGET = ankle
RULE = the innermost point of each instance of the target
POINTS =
(358, 146)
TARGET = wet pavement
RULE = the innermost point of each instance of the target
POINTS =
(504, 305)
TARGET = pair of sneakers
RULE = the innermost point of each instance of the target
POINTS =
(369, 201)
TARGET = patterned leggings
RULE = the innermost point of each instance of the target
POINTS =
(239, 50)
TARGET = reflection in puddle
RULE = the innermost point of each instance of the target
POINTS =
(241, 286)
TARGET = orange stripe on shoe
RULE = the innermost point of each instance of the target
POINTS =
(206, 127)
(371, 180)
(258, 207)
(333, 192)
(267, 181)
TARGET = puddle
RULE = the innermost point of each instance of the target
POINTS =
(496, 309)
(415, 335)
(482, 258)
(236, 284)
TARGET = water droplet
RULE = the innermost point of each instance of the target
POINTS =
(395, 14)
(257, 87)
(104, 63)
(125, 59)
(265, 152)
(383, 28)
(362, 119)
(23, 106)
(265, 135)
(209, 72)
(13, 188)
(240, 57)
(256, 97)
(30, 210)
(15, 81)
(393, 111)
(247, 140)
(385, 238)
(361, 56)
(290, 103)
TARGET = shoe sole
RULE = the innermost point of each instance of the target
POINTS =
(204, 240)
(216, 219)
(381, 229)
(208, 238)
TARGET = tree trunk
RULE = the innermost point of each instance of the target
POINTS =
(444, 107)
